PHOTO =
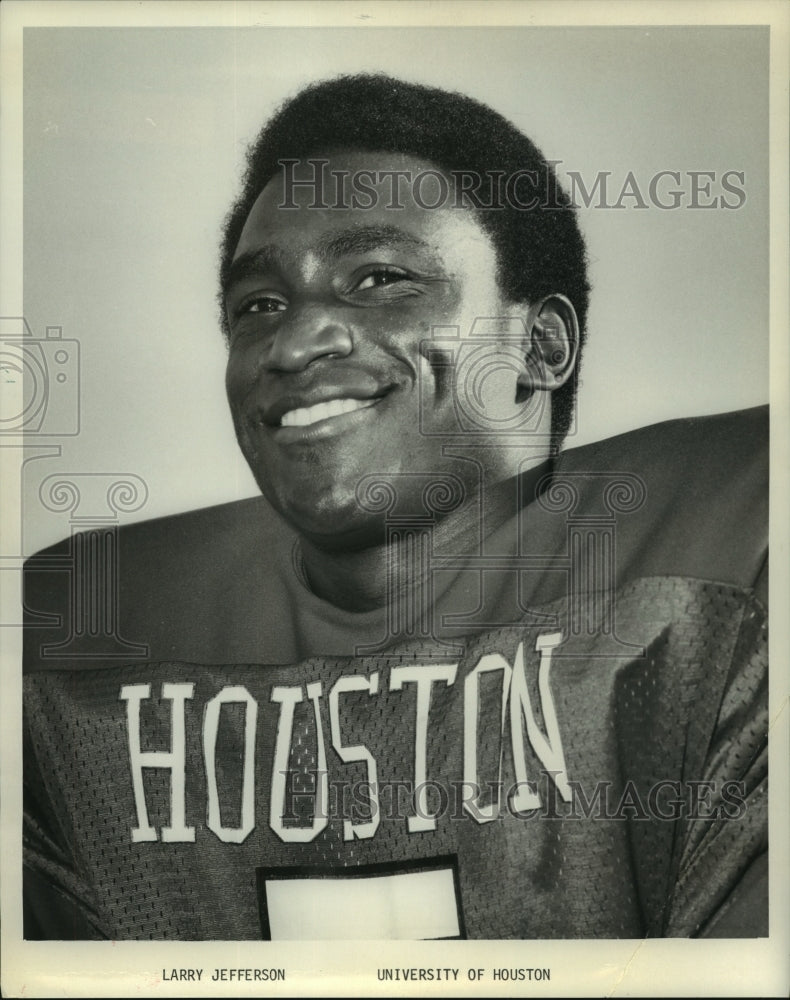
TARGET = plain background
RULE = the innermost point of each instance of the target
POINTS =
(134, 141)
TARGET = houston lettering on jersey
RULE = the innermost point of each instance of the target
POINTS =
(537, 784)
(508, 706)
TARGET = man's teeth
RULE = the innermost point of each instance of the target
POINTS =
(332, 408)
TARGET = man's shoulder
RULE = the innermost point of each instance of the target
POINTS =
(186, 586)
(240, 526)
(689, 497)
(695, 446)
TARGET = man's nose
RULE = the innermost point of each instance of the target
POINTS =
(307, 334)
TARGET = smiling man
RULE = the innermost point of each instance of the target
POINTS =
(330, 315)
(444, 678)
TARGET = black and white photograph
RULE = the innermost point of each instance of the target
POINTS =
(394, 402)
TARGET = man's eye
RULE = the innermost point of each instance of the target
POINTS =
(382, 276)
(261, 304)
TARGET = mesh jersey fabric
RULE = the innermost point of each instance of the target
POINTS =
(639, 726)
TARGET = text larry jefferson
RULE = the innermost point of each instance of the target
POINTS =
(230, 975)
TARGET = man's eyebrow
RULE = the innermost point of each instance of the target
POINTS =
(360, 239)
(331, 246)
(252, 263)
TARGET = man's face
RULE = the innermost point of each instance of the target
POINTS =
(331, 313)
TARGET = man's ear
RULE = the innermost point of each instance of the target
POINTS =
(552, 345)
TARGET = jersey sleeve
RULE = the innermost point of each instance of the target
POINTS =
(721, 888)
(58, 902)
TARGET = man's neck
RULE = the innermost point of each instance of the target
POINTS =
(364, 578)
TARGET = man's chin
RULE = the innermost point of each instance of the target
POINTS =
(328, 521)
(338, 532)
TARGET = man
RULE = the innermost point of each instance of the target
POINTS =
(441, 680)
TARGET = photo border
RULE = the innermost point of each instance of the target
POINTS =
(583, 968)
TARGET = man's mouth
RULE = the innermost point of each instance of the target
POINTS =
(320, 414)
(303, 416)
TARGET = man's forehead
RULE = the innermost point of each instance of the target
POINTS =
(330, 235)
(459, 245)
(308, 226)
(360, 239)
(331, 244)
(381, 187)
(334, 176)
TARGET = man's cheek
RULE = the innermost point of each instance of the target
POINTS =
(240, 379)
(436, 374)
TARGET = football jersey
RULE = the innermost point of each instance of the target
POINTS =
(560, 733)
